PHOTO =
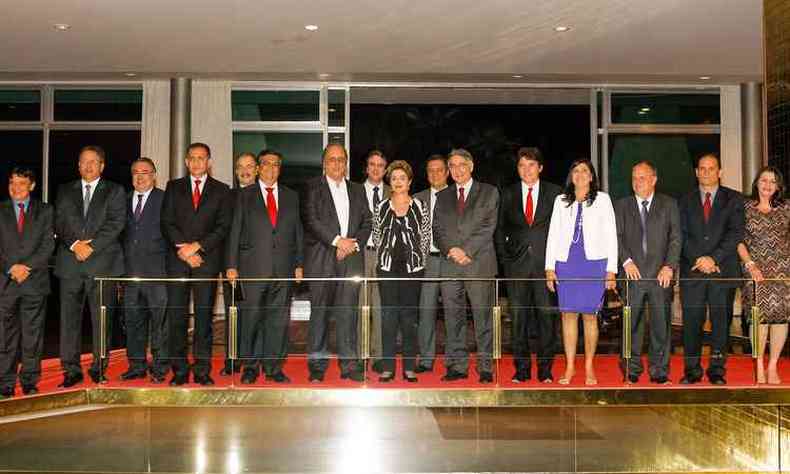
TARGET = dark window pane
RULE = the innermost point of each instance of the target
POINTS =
(122, 147)
(301, 152)
(673, 155)
(21, 148)
(337, 138)
(99, 105)
(275, 106)
(337, 108)
(687, 109)
(20, 105)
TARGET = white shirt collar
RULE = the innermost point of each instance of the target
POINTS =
(92, 184)
(145, 194)
(466, 187)
(334, 184)
(535, 188)
(370, 185)
(649, 201)
(264, 186)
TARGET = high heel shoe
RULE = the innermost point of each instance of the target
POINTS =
(410, 378)
(387, 377)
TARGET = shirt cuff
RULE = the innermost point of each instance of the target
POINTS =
(72, 245)
(334, 241)
(627, 262)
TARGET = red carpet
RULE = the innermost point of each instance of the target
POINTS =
(739, 375)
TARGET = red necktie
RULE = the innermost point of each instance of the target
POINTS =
(461, 201)
(196, 195)
(706, 207)
(271, 206)
(20, 223)
(528, 209)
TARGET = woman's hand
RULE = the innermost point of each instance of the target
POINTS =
(611, 282)
(551, 280)
(755, 273)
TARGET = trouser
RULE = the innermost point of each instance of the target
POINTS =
(374, 302)
(695, 296)
(429, 307)
(21, 337)
(265, 316)
(530, 300)
(399, 300)
(480, 295)
(145, 305)
(204, 295)
(649, 294)
(74, 292)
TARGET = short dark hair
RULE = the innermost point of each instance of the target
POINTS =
(647, 163)
(436, 157)
(373, 153)
(23, 172)
(530, 153)
(202, 145)
(708, 154)
(266, 151)
(95, 149)
(145, 159)
(778, 197)
(569, 192)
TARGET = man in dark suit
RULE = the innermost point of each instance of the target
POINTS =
(195, 221)
(376, 190)
(246, 169)
(90, 216)
(464, 222)
(649, 242)
(712, 224)
(522, 228)
(266, 242)
(145, 250)
(337, 223)
(436, 170)
(26, 243)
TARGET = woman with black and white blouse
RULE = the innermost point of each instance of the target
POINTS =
(402, 236)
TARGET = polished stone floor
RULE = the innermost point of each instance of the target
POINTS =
(252, 439)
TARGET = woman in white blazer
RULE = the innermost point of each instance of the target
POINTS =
(582, 244)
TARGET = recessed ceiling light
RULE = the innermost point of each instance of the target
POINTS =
(323, 75)
(705, 78)
(645, 109)
(311, 27)
(517, 76)
(61, 27)
(562, 29)
(642, 112)
(333, 110)
(130, 74)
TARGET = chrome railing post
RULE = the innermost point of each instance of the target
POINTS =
(627, 327)
(233, 323)
(364, 323)
(102, 325)
(496, 314)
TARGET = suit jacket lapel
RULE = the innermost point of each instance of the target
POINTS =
(9, 216)
(474, 191)
(544, 207)
(260, 207)
(327, 198)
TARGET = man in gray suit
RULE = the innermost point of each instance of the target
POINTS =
(464, 222)
(375, 192)
(649, 243)
(436, 169)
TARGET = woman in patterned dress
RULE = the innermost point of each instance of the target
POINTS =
(765, 253)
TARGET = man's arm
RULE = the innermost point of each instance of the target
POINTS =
(234, 237)
(222, 224)
(675, 242)
(622, 248)
(169, 217)
(483, 232)
(311, 213)
(114, 222)
(299, 235)
(500, 235)
(39, 260)
(366, 226)
(734, 229)
(66, 234)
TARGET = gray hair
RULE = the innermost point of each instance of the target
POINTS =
(462, 153)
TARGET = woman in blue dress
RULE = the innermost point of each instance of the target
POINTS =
(581, 261)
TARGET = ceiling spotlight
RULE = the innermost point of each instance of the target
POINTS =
(562, 29)
(645, 109)
(311, 27)
(323, 75)
(130, 74)
(517, 76)
(705, 78)
(332, 110)
(61, 27)
(642, 112)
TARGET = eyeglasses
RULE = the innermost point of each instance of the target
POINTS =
(273, 164)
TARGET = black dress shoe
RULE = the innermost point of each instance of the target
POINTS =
(632, 378)
(354, 375)
(661, 380)
(486, 377)
(29, 389)
(6, 393)
(71, 380)
(157, 378)
(204, 380)
(133, 374)
(453, 375)
(690, 379)
(376, 367)
(387, 377)
(717, 379)
(279, 377)
(520, 376)
(420, 369)
(231, 368)
(412, 379)
(249, 377)
(179, 379)
(97, 377)
(316, 376)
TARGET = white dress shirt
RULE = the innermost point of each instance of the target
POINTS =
(525, 191)
(369, 194)
(93, 185)
(639, 200)
(136, 198)
(339, 192)
(201, 186)
(275, 191)
(466, 188)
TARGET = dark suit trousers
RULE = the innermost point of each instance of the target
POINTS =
(695, 295)
(399, 309)
(204, 295)
(265, 313)
(648, 294)
(429, 307)
(21, 330)
(340, 300)
(145, 305)
(530, 300)
(73, 294)
(480, 297)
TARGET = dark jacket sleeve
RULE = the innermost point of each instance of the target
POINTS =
(500, 235)
(622, 249)
(440, 232)
(216, 237)
(366, 226)
(234, 237)
(483, 233)
(169, 217)
(311, 211)
(733, 233)
(299, 235)
(675, 235)
(66, 234)
(115, 220)
(46, 244)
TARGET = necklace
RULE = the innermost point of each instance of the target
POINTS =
(577, 232)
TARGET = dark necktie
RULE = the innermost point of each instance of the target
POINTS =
(87, 200)
(20, 222)
(138, 210)
(271, 206)
(528, 208)
(376, 198)
(461, 202)
(706, 207)
(196, 195)
(643, 217)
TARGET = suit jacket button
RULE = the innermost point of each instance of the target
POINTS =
(706, 237)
